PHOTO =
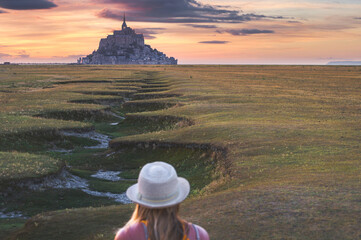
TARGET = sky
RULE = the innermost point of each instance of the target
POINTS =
(193, 31)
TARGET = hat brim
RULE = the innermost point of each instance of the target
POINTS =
(183, 191)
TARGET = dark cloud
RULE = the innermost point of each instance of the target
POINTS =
(244, 32)
(358, 18)
(214, 42)
(4, 55)
(2, 11)
(201, 26)
(70, 56)
(76, 56)
(149, 33)
(293, 22)
(176, 11)
(21, 54)
(149, 37)
(27, 4)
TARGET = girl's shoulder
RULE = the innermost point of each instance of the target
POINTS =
(134, 231)
(193, 229)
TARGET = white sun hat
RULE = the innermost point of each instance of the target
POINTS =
(158, 186)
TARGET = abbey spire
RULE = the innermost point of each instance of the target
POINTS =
(124, 26)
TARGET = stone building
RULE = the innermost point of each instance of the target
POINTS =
(126, 47)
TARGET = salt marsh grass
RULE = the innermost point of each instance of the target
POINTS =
(287, 139)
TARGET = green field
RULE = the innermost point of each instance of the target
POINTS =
(271, 152)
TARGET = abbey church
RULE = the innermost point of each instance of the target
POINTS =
(126, 47)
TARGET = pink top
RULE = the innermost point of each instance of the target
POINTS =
(136, 232)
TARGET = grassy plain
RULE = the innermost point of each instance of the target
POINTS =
(272, 152)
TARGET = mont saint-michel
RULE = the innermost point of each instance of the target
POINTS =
(126, 47)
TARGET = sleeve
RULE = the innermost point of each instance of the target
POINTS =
(133, 232)
(202, 233)
(121, 235)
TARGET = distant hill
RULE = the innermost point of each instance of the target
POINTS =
(344, 63)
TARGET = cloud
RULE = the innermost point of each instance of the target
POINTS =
(4, 55)
(23, 56)
(69, 56)
(148, 33)
(175, 11)
(2, 11)
(27, 4)
(201, 26)
(19, 55)
(214, 42)
(76, 56)
(358, 18)
(244, 32)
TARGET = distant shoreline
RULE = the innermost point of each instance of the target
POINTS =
(345, 63)
(334, 63)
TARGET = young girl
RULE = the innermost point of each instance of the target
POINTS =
(158, 194)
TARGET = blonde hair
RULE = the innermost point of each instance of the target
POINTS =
(162, 223)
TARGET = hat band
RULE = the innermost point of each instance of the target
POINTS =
(142, 198)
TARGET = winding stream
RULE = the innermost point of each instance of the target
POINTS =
(108, 175)
(11, 215)
(66, 180)
(101, 138)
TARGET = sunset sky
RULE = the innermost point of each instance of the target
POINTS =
(193, 31)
